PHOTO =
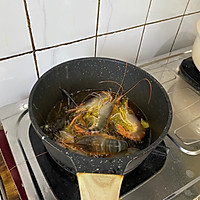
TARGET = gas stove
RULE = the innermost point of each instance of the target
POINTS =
(170, 172)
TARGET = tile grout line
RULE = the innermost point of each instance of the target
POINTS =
(121, 30)
(100, 35)
(31, 37)
(113, 32)
(17, 55)
(164, 20)
(142, 35)
(192, 13)
(97, 27)
(140, 44)
(179, 27)
(161, 59)
(148, 23)
(64, 44)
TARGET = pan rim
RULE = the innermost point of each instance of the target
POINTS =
(71, 153)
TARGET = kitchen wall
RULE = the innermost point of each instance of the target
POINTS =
(39, 34)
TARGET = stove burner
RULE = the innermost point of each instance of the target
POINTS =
(65, 185)
(190, 73)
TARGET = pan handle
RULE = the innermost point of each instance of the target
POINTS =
(186, 151)
(99, 186)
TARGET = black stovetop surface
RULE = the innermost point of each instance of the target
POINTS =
(65, 185)
(190, 73)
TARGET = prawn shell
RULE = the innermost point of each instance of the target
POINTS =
(66, 137)
(125, 117)
(98, 144)
(136, 135)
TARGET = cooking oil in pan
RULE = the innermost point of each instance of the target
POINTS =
(101, 124)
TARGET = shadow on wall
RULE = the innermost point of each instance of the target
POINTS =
(165, 48)
(188, 39)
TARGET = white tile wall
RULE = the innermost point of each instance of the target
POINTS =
(119, 14)
(14, 36)
(193, 6)
(17, 76)
(158, 39)
(165, 9)
(49, 58)
(188, 31)
(122, 45)
(56, 22)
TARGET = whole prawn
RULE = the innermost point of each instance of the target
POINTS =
(104, 108)
(100, 144)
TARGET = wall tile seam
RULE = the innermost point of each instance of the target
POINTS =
(167, 57)
(146, 24)
(98, 35)
(192, 13)
(97, 28)
(64, 44)
(15, 55)
(31, 38)
(179, 27)
(142, 35)
(46, 48)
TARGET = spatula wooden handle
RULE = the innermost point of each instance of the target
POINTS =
(99, 186)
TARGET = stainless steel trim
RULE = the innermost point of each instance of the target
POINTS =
(19, 124)
(186, 151)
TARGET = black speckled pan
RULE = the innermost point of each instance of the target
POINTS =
(86, 73)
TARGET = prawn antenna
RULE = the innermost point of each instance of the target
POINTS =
(65, 93)
(93, 94)
(122, 82)
(120, 86)
(150, 88)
